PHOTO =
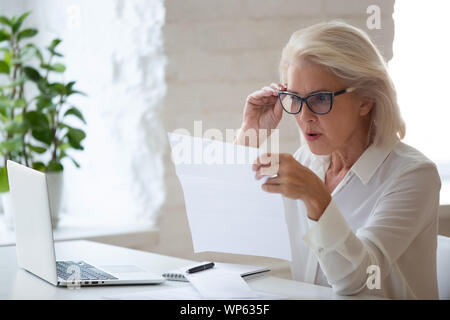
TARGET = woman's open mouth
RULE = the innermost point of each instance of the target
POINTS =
(312, 136)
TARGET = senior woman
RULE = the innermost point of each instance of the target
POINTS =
(361, 206)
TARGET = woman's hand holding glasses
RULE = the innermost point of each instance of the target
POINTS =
(262, 110)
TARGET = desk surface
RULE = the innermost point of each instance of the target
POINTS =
(17, 283)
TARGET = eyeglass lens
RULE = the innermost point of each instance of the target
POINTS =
(319, 103)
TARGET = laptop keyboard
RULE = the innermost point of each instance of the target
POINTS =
(80, 270)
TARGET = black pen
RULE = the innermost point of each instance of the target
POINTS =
(201, 268)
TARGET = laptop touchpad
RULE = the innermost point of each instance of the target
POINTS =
(123, 269)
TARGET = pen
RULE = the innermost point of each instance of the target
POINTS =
(201, 268)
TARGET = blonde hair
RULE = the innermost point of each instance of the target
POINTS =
(349, 53)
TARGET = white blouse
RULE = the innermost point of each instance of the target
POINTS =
(384, 213)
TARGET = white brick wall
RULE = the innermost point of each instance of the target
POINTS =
(203, 10)
(221, 51)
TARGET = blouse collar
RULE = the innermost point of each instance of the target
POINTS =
(366, 165)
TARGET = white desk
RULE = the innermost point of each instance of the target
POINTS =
(16, 283)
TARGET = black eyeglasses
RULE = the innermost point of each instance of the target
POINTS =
(318, 102)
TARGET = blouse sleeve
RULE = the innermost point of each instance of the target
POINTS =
(406, 208)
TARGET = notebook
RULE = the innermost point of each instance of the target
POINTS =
(243, 269)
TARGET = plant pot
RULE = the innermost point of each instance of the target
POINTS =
(55, 191)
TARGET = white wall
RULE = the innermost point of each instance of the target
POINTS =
(220, 51)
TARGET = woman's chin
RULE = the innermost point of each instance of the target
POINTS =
(318, 150)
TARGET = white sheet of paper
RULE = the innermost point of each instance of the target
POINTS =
(227, 209)
(187, 292)
(216, 284)
(172, 293)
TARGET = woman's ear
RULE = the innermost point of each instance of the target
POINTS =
(365, 107)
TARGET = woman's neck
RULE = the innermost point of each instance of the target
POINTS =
(343, 159)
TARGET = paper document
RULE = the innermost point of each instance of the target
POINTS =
(227, 209)
(216, 284)
(186, 292)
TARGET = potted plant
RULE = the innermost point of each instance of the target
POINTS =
(34, 130)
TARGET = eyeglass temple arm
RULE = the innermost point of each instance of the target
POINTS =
(344, 91)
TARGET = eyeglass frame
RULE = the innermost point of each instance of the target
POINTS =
(305, 99)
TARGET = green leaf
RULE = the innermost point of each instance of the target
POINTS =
(37, 120)
(4, 35)
(62, 125)
(4, 184)
(70, 91)
(70, 85)
(39, 166)
(19, 103)
(77, 113)
(42, 135)
(36, 149)
(62, 155)
(77, 92)
(27, 33)
(7, 56)
(43, 102)
(19, 117)
(75, 136)
(32, 74)
(13, 127)
(51, 108)
(5, 102)
(63, 146)
(57, 88)
(44, 87)
(4, 68)
(46, 66)
(12, 145)
(55, 166)
(54, 44)
(18, 23)
(74, 162)
(59, 67)
(4, 20)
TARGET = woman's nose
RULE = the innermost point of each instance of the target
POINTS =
(306, 115)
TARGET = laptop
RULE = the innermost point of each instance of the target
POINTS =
(34, 239)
